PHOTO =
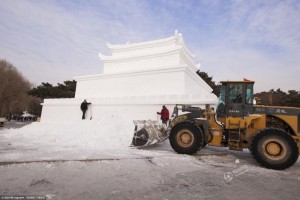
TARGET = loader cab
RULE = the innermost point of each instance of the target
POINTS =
(236, 99)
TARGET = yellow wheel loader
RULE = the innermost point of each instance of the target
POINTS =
(272, 134)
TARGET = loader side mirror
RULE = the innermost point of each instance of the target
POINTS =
(257, 101)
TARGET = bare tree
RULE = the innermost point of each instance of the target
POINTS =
(13, 89)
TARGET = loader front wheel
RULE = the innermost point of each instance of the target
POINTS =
(186, 138)
(274, 149)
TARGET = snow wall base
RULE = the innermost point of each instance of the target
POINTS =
(130, 108)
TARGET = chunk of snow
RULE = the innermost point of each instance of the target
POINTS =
(112, 131)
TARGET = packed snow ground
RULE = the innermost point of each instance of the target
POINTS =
(91, 160)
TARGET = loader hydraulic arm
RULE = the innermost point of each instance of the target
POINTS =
(196, 111)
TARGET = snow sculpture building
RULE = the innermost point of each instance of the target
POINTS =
(137, 79)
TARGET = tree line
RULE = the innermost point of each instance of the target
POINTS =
(17, 94)
(13, 91)
(271, 98)
(48, 91)
(280, 98)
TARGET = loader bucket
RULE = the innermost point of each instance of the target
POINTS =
(148, 132)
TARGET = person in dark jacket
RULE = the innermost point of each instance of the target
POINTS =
(84, 107)
(164, 115)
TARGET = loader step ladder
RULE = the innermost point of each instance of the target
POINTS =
(234, 135)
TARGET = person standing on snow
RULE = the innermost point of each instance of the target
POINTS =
(164, 115)
(84, 107)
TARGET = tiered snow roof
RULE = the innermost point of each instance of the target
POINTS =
(166, 53)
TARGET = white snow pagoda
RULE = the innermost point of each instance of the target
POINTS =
(137, 79)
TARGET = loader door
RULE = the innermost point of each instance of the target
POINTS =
(236, 99)
(240, 99)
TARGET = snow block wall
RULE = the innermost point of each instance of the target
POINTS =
(137, 80)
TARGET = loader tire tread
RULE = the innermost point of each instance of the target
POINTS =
(192, 128)
(258, 151)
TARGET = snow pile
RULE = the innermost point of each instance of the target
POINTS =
(110, 132)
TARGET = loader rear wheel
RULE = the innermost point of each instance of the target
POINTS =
(186, 138)
(274, 149)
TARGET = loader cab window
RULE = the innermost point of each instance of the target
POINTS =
(249, 94)
(222, 95)
(221, 109)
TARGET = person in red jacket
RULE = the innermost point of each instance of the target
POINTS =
(164, 115)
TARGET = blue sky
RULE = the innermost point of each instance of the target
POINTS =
(55, 40)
